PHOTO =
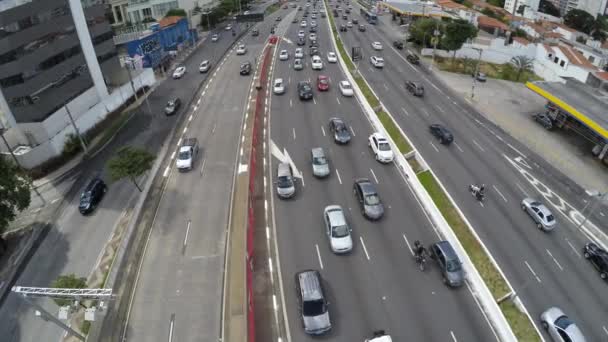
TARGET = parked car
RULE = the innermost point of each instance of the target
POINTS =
(377, 46)
(544, 119)
(173, 106)
(377, 62)
(345, 88)
(560, 327)
(598, 257)
(337, 229)
(449, 263)
(241, 49)
(320, 166)
(349, 24)
(204, 67)
(440, 132)
(301, 34)
(540, 214)
(322, 83)
(481, 77)
(179, 72)
(245, 68)
(414, 88)
(398, 44)
(284, 55)
(279, 86)
(339, 130)
(314, 51)
(381, 148)
(92, 195)
(369, 202)
(312, 302)
(304, 90)
(414, 59)
(332, 57)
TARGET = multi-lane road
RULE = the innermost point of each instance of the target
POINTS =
(377, 285)
(546, 269)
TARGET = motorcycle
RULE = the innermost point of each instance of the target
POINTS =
(475, 192)
(421, 261)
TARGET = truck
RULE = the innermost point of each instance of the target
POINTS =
(187, 152)
(379, 336)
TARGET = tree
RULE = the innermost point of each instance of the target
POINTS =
(521, 64)
(457, 32)
(130, 162)
(14, 192)
(580, 20)
(549, 8)
(497, 3)
(421, 31)
(69, 281)
(176, 12)
(489, 13)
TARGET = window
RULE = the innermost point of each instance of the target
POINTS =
(562, 63)
(555, 60)
(591, 59)
(147, 12)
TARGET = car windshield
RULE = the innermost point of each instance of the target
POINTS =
(453, 266)
(550, 218)
(184, 155)
(278, 84)
(384, 146)
(284, 182)
(85, 196)
(305, 87)
(319, 160)
(372, 199)
(313, 308)
(323, 81)
(346, 85)
(563, 322)
(340, 231)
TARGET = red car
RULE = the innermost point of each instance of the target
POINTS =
(323, 83)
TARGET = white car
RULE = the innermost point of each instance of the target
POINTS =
(279, 86)
(301, 34)
(312, 36)
(316, 63)
(229, 27)
(377, 46)
(313, 23)
(284, 55)
(179, 72)
(381, 148)
(376, 61)
(349, 24)
(313, 16)
(241, 49)
(345, 88)
(297, 64)
(299, 53)
(204, 67)
(215, 38)
(332, 58)
(337, 229)
(303, 23)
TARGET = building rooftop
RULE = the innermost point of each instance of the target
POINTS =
(575, 57)
(491, 22)
(416, 8)
(449, 4)
(168, 21)
(521, 40)
(583, 102)
(602, 75)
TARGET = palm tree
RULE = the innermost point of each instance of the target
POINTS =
(521, 64)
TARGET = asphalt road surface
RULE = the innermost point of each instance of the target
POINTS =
(377, 285)
(546, 269)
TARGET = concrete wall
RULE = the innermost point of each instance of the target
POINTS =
(496, 52)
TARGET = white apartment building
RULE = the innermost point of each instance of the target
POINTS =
(594, 7)
(512, 5)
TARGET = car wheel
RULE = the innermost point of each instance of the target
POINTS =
(603, 275)
(523, 207)
(376, 157)
(444, 279)
(545, 325)
(586, 255)
(539, 226)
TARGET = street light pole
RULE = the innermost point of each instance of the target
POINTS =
(475, 72)
(436, 34)
(82, 143)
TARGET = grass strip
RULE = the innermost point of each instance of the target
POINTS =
(394, 132)
(272, 8)
(519, 322)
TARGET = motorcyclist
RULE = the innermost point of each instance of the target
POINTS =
(419, 250)
(478, 190)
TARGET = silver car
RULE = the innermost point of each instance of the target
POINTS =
(560, 327)
(337, 230)
(539, 213)
(286, 187)
(320, 166)
(297, 64)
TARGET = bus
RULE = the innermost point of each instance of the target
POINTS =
(369, 16)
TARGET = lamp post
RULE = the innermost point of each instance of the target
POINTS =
(475, 72)
(129, 64)
(436, 34)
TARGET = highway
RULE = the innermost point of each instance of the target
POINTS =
(546, 269)
(377, 285)
(179, 290)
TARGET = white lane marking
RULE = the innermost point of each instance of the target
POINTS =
(213, 129)
(275, 304)
(203, 166)
(319, 256)
(441, 109)
(573, 248)
(532, 271)
(522, 189)
(352, 131)
(425, 112)
(337, 99)
(190, 118)
(171, 327)
(185, 130)
(555, 260)
(338, 174)
(453, 336)
(478, 146)
(436, 149)
(458, 147)
(601, 213)
(323, 130)
(364, 249)
(290, 103)
(605, 330)
(373, 174)
(516, 150)
(187, 233)
(57, 199)
(166, 173)
(385, 87)
(294, 133)
(500, 193)
(173, 155)
(179, 142)
(314, 101)
(405, 111)
(409, 247)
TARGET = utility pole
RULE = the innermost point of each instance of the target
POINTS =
(82, 143)
(132, 65)
(476, 72)
(436, 34)
(131, 78)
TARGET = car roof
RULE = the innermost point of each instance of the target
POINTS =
(277, 80)
(366, 186)
(336, 215)
(317, 152)
(322, 77)
(310, 284)
(447, 249)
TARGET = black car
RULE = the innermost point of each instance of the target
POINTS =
(340, 131)
(255, 32)
(414, 59)
(355, 21)
(414, 88)
(443, 134)
(312, 29)
(246, 68)
(368, 199)
(398, 44)
(301, 41)
(173, 106)
(343, 28)
(304, 90)
(272, 30)
(598, 257)
(361, 28)
(92, 195)
(544, 119)
(314, 51)
(345, 17)
(278, 18)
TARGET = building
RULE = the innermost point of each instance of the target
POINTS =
(510, 5)
(594, 7)
(137, 11)
(56, 58)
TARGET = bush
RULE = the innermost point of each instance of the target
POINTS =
(72, 145)
(176, 12)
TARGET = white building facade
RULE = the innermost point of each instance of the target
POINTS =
(512, 5)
